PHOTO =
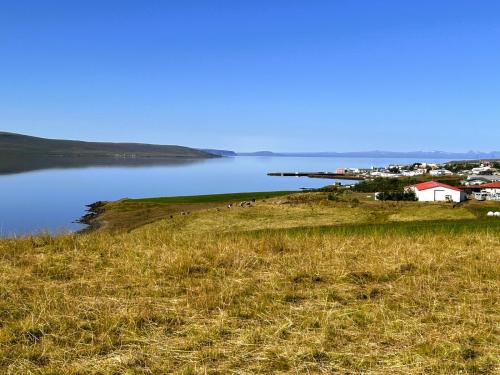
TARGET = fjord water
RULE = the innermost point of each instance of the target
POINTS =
(52, 199)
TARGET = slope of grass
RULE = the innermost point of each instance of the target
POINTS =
(207, 294)
(271, 210)
(128, 214)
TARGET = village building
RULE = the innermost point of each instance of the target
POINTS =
(428, 165)
(415, 172)
(481, 179)
(482, 169)
(490, 191)
(440, 172)
(433, 191)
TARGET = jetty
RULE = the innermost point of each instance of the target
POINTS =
(328, 175)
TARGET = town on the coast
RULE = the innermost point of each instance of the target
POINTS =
(454, 181)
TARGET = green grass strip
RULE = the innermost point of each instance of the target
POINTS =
(213, 198)
(427, 226)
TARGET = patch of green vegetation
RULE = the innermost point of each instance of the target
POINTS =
(400, 227)
(481, 209)
(212, 198)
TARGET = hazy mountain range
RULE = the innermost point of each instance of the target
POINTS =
(374, 154)
(13, 146)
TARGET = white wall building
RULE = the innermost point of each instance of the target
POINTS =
(440, 172)
(437, 192)
(481, 169)
(481, 179)
(489, 191)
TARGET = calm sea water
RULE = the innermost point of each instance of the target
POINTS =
(52, 199)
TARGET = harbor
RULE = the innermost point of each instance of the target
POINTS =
(328, 175)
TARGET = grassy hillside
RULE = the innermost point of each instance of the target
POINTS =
(21, 145)
(293, 284)
(279, 209)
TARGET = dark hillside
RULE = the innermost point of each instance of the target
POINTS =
(12, 144)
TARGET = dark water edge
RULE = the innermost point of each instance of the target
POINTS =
(90, 218)
(22, 164)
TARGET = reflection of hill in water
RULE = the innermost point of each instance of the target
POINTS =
(22, 164)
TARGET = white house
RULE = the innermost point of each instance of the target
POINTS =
(433, 191)
(481, 169)
(440, 172)
(408, 173)
(430, 165)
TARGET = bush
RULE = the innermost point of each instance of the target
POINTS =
(400, 195)
(383, 184)
(333, 197)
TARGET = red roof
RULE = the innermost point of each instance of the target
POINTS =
(433, 184)
(491, 185)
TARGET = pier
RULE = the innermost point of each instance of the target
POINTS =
(329, 175)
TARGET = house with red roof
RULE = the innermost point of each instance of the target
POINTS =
(433, 191)
(489, 191)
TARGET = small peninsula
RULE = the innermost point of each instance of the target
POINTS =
(19, 145)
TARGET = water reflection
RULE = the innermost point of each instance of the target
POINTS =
(22, 164)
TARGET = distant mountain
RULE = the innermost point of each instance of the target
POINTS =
(471, 155)
(262, 153)
(18, 145)
(219, 152)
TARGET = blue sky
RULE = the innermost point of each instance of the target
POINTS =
(255, 75)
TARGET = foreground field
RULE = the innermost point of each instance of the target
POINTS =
(248, 290)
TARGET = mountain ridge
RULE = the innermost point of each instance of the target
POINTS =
(13, 144)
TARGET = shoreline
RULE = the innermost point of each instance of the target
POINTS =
(170, 206)
(91, 217)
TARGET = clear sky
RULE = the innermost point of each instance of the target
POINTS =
(333, 75)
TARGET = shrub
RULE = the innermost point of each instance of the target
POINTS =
(399, 195)
(383, 184)
(333, 197)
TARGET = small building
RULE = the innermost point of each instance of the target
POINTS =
(479, 195)
(481, 179)
(489, 191)
(428, 165)
(408, 173)
(433, 191)
(440, 172)
(482, 169)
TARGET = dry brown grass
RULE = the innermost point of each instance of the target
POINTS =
(168, 299)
